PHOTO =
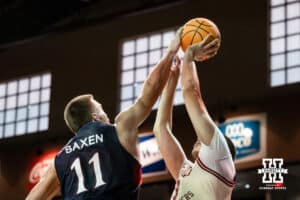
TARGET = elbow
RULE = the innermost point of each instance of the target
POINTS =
(158, 132)
(159, 128)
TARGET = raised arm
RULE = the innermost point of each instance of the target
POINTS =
(202, 123)
(47, 187)
(169, 146)
(129, 120)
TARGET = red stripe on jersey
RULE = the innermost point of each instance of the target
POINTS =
(216, 174)
(176, 190)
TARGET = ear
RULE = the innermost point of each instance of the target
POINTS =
(94, 116)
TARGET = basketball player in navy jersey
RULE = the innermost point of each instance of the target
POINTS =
(101, 160)
(211, 176)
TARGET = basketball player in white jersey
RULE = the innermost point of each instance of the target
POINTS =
(211, 176)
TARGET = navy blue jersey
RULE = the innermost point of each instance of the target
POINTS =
(94, 165)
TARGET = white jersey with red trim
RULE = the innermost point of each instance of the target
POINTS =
(211, 176)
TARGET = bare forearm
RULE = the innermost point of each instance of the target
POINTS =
(157, 79)
(171, 150)
(189, 79)
(194, 103)
(164, 113)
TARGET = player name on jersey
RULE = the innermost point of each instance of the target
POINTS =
(84, 142)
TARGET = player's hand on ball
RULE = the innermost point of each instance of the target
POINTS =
(204, 50)
(175, 43)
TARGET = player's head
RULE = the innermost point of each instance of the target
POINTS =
(197, 146)
(82, 109)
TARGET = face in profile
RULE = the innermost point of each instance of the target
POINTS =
(196, 149)
(99, 114)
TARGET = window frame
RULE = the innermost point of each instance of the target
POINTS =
(31, 105)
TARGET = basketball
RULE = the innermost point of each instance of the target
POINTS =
(195, 30)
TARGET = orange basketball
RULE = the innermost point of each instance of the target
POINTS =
(196, 30)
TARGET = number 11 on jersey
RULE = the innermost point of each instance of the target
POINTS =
(97, 171)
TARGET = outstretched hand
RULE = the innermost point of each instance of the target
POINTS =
(204, 50)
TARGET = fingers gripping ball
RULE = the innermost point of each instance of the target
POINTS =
(195, 30)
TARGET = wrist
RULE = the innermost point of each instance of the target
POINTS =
(170, 54)
(172, 51)
(189, 55)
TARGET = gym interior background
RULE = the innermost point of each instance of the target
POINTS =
(51, 51)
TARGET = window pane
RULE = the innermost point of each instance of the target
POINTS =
(146, 52)
(21, 128)
(2, 104)
(138, 89)
(125, 104)
(277, 29)
(23, 85)
(9, 130)
(293, 10)
(278, 78)
(16, 96)
(44, 123)
(293, 26)
(155, 41)
(45, 95)
(44, 109)
(12, 88)
(21, 114)
(2, 90)
(127, 77)
(180, 54)
(141, 60)
(277, 45)
(128, 63)
(46, 80)
(179, 83)
(11, 102)
(32, 126)
(277, 61)
(142, 44)
(34, 97)
(293, 75)
(35, 83)
(293, 58)
(167, 37)
(276, 2)
(293, 42)
(1, 117)
(1, 132)
(277, 14)
(128, 48)
(178, 99)
(141, 74)
(127, 92)
(10, 116)
(33, 111)
(23, 99)
(154, 57)
(155, 107)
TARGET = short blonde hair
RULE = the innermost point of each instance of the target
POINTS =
(78, 112)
